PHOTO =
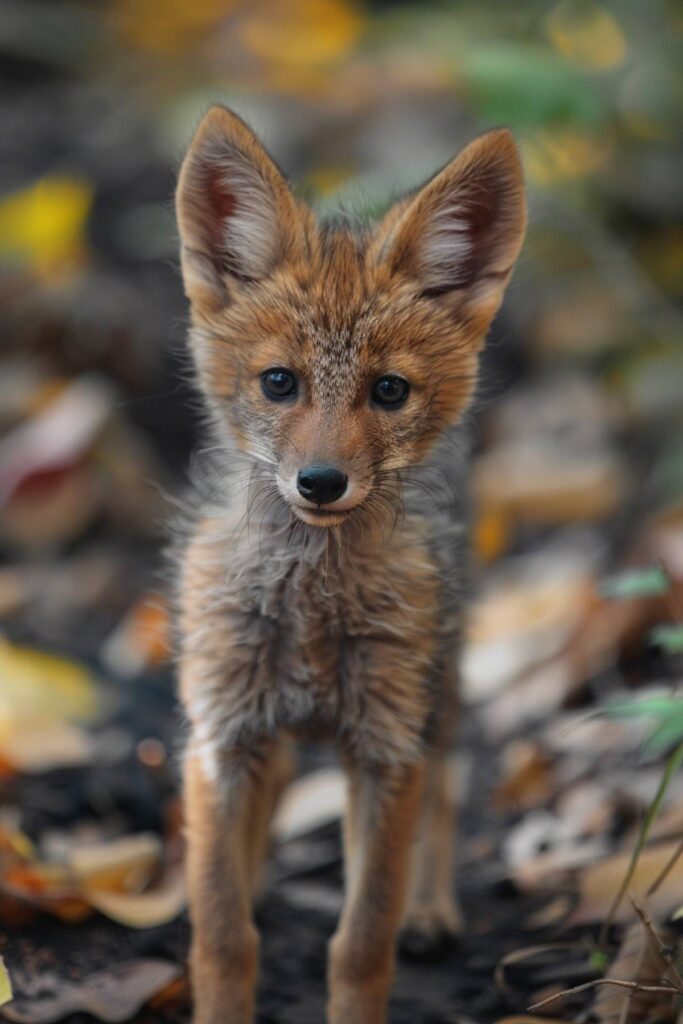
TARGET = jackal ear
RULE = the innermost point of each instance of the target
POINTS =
(460, 235)
(236, 215)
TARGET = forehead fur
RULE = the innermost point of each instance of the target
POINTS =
(336, 316)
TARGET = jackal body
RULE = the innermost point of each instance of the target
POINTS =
(324, 634)
(320, 590)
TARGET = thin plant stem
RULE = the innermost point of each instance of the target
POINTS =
(672, 766)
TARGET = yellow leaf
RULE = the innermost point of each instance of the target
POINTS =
(301, 34)
(43, 225)
(36, 685)
(586, 34)
(565, 155)
(328, 179)
(491, 534)
(5, 984)
(167, 26)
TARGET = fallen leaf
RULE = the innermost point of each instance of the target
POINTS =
(311, 801)
(306, 34)
(43, 697)
(58, 436)
(39, 745)
(543, 845)
(529, 699)
(637, 960)
(528, 776)
(587, 34)
(536, 483)
(649, 581)
(108, 876)
(141, 640)
(48, 493)
(44, 223)
(124, 864)
(37, 685)
(600, 882)
(113, 995)
(529, 1020)
(525, 617)
(669, 638)
(149, 909)
(5, 984)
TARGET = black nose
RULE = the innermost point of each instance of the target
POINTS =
(321, 484)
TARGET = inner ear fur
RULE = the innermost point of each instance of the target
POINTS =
(237, 217)
(458, 237)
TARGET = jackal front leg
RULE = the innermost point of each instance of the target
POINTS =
(224, 952)
(383, 808)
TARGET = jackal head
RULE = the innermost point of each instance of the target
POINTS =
(334, 359)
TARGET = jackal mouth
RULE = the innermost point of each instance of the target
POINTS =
(320, 516)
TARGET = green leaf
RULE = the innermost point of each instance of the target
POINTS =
(669, 637)
(648, 582)
(598, 961)
(666, 734)
(662, 706)
(521, 85)
(665, 711)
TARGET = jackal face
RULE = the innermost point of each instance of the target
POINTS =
(334, 359)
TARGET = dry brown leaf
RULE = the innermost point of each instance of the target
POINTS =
(529, 779)
(112, 995)
(637, 960)
(525, 1019)
(31, 746)
(538, 484)
(109, 877)
(525, 618)
(141, 640)
(599, 884)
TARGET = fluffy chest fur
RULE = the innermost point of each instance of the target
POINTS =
(343, 633)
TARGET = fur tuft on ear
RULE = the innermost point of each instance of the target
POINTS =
(236, 215)
(460, 235)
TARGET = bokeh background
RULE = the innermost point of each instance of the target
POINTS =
(579, 473)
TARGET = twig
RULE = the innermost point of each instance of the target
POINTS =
(672, 766)
(625, 1011)
(520, 955)
(666, 869)
(632, 985)
(658, 945)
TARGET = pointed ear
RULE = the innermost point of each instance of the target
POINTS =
(236, 215)
(460, 235)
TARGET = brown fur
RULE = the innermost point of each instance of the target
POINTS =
(343, 625)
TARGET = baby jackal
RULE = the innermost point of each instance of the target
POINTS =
(321, 585)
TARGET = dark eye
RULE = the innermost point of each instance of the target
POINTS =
(278, 383)
(390, 390)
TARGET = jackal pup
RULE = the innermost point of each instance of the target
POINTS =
(320, 587)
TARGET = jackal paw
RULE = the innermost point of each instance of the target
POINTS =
(430, 929)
